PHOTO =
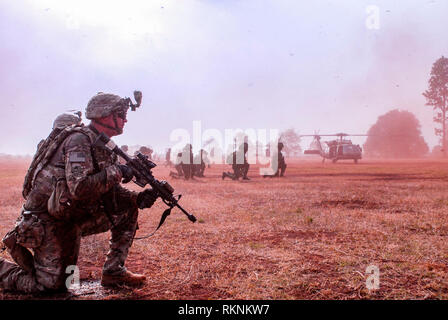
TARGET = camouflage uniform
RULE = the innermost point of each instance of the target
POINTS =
(240, 166)
(64, 120)
(187, 162)
(200, 160)
(278, 162)
(184, 164)
(99, 204)
(281, 164)
(178, 166)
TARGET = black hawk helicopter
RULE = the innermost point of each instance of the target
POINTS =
(334, 150)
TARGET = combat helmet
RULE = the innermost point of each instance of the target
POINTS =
(103, 104)
(280, 145)
(65, 120)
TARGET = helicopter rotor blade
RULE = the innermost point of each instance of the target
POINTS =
(335, 135)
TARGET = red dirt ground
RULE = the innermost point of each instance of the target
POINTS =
(309, 235)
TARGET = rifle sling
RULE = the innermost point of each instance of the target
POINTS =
(165, 214)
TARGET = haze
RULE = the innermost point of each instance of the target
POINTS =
(230, 64)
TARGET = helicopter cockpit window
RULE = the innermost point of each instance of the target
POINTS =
(351, 149)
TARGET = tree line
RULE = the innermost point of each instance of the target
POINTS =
(397, 133)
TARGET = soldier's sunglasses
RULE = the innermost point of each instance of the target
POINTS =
(121, 114)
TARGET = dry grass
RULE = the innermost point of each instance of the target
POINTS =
(309, 235)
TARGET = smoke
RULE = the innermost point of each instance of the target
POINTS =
(233, 64)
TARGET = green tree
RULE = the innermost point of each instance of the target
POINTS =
(396, 134)
(437, 97)
(291, 141)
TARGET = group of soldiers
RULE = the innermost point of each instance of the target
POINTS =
(147, 151)
(189, 167)
(74, 188)
(240, 166)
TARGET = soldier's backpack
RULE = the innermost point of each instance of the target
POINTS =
(45, 151)
(59, 203)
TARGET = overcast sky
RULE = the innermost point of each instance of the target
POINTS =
(278, 64)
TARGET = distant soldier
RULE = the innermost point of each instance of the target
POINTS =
(146, 151)
(268, 150)
(125, 148)
(178, 166)
(200, 161)
(278, 161)
(168, 162)
(184, 164)
(187, 161)
(239, 163)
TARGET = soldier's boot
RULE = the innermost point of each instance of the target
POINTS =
(122, 236)
(283, 169)
(14, 278)
(125, 279)
(229, 175)
(246, 178)
(233, 176)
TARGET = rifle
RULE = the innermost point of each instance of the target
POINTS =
(141, 167)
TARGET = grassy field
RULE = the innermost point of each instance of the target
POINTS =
(309, 235)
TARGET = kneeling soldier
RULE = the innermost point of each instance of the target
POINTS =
(72, 189)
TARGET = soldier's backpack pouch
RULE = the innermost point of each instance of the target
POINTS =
(59, 203)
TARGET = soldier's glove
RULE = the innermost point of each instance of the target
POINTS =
(126, 173)
(146, 198)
